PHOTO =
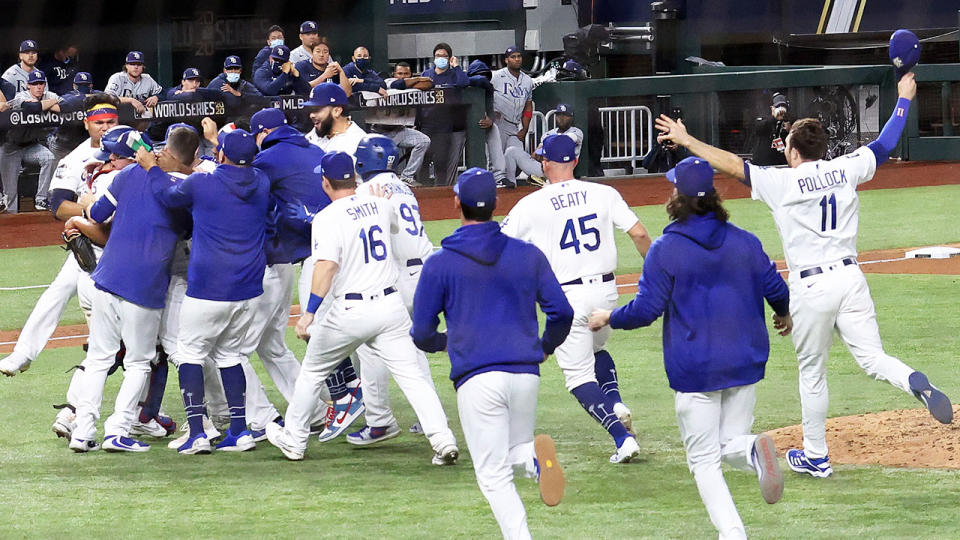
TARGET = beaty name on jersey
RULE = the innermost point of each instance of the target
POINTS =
(566, 200)
(363, 210)
(816, 183)
(179, 109)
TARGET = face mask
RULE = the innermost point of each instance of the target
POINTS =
(233, 77)
(83, 89)
(362, 64)
(441, 62)
(276, 43)
(277, 69)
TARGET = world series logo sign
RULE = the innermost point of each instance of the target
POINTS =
(179, 109)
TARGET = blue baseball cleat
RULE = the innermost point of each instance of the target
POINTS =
(936, 401)
(260, 435)
(344, 412)
(799, 462)
(240, 442)
(372, 435)
(116, 443)
(197, 444)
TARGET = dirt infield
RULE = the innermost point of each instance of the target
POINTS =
(40, 229)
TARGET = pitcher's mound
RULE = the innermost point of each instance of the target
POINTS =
(905, 438)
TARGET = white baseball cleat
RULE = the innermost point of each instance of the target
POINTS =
(64, 423)
(764, 457)
(118, 443)
(623, 414)
(446, 456)
(208, 428)
(197, 445)
(151, 428)
(84, 445)
(627, 451)
(279, 437)
(13, 364)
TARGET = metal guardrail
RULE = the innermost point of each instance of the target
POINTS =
(627, 138)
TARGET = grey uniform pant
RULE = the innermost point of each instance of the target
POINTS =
(518, 157)
(417, 142)
(495, 161)
(12, 157)
(508, 134)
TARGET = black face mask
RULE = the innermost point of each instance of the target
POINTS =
(324, 127)
(277, 69)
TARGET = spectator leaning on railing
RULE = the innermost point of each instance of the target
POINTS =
(133, 86)
(235, 91)
(446, 126)
(320, 68)
(401, 131)
(361, 76)
(278, 76)
(27, 143)
(18, 73)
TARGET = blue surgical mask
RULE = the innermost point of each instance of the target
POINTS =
(441, 62)
(362, 64)
(276, 43)
(233, 77)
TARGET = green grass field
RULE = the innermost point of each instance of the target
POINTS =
(392, 491)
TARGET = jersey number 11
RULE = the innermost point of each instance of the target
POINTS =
(832, 203)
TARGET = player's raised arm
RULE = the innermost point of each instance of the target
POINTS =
(725, 162)
(887, 141)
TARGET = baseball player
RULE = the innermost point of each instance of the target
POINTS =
(133, 86)
(19, 73)
(309, 37)
(487, 285)
(513, 99)
(700, 275)
(815, 206)
(236, 92)
(224, 279)
(131, 280)
(402, 131)
(515, 156)
(274, 39)
(320, 68)
(357, 272)
(333, 130)
(572, 222)
(479, 74)
(278, 75)
(377, 156)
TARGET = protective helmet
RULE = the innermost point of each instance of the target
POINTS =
(376, 153)
(122, 141)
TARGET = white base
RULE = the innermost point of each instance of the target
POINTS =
(935, 252)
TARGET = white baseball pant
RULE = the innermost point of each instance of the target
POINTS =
(715, 427)
(575, 354)
(86, 292)
(220, 331)
(518, 157)
(269, 326)
(838, 298)
(497, 412)
(113, 319)
(46, 314)
(381, 322)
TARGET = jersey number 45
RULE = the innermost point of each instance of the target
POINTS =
(571, 239)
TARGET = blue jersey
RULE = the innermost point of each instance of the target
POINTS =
(135, 264)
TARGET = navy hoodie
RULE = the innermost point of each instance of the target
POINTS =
(708, 279)
(288, 159)
(479, 75)
(487, 285)
(229, 210)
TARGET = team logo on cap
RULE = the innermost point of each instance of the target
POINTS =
(136, 55)
(278, 51)
(83, 77)
(311, 25)
(562, 108)
(31, 44)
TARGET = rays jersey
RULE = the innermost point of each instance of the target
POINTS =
(572, 132)
(511, 94)
(815, 205)
(120, 85)
(17, 76)
(355, 232)
(411, 241)
(572, 223)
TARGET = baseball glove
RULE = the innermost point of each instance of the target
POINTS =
(82, 249)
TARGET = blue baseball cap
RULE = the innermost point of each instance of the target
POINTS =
(268, 118)
(510, 50)
(325, 94)
(222, 132)
(559, 148)
(172, 127)
(904, 51)
(134, 57)
(336, 166)
(239, 146)
(232, 62)
(83, 77)
(191, 73)
(36, 76)
(28, 45)
(693, 177)
(572, 65)
(476, 188)
(309, 27)
(280, 52)
(563, 108)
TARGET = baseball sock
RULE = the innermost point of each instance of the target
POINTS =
(600, 407)
(158, 384)
(235, 387)
(191, 387)
(338, 382)
(606, 374)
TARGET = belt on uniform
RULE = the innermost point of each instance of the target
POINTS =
(359, 296)
(579, 281)
(818, 270)
(414, 262)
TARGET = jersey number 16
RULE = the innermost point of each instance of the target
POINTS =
(570, 238)
(373, 246)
